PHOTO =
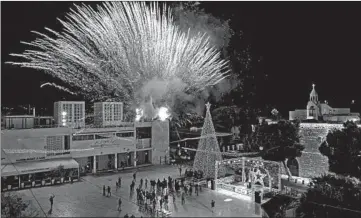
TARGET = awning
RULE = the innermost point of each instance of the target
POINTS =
(37, 167)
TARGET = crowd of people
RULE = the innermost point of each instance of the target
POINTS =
(154, 196)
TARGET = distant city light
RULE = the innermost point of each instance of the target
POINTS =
(63, 113)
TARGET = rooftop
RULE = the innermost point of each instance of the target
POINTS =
(19, 116)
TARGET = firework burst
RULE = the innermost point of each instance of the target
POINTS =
(112, 52)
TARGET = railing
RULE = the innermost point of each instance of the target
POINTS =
(235, 189)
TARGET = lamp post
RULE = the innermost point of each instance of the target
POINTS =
(165, 156)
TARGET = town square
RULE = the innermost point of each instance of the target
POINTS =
(180, 109)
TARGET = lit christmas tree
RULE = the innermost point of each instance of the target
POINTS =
(208, 150)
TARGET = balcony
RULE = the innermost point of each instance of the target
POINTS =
(143, 143)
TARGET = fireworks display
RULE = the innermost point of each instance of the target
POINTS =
(57, 87)
(115, 50)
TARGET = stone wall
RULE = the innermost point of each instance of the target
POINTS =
(312, 163)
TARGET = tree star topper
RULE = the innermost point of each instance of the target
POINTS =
(208, 105)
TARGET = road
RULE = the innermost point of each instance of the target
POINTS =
(85, 199)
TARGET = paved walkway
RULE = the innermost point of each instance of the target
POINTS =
(85, 199)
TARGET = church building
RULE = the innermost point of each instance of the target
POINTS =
(316, 110)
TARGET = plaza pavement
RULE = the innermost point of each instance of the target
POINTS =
(85, 198)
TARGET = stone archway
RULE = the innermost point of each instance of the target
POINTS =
(293, 166)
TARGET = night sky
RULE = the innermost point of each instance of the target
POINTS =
(301, 43)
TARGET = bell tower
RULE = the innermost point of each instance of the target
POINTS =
(314, 95)
(313, 111)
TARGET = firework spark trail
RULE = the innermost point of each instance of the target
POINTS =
(58, 87)
(120, 46)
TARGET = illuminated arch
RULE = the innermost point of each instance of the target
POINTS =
(294, 166)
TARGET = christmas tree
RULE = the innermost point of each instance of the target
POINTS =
(208, 150)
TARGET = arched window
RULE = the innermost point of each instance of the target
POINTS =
(293, 166)
(312, 111)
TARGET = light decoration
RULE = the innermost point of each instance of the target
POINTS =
(258, 176)
(250, 167)
(119, 47)
(224, 153)
(206, 161)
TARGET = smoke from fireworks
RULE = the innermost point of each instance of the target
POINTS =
(122, 50)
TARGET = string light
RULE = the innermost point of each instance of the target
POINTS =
(205, 161)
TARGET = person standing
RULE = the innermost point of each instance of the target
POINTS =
(135, 176)
(146, 183)
(154, 204)
(212, 205)
(190, 190)
(109, 192)
(51, 199)
(161, 203)
(116, 186)
(120, 182)
(119, 204)
(183, 199)
(103, 190)
(180, 171)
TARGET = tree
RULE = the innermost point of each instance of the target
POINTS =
(331, 196)
(208, 151)
(277, 206)
(343, 149)
(13, 206)
(277, 142)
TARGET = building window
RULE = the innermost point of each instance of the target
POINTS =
(78, 112)
(69, 112)
(125, 134)
(83, 137)
(144, 133)
(312, 111)
(53, 143)
(108, 112)
(117, 112)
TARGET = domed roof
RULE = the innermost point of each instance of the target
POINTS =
(313, 92)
